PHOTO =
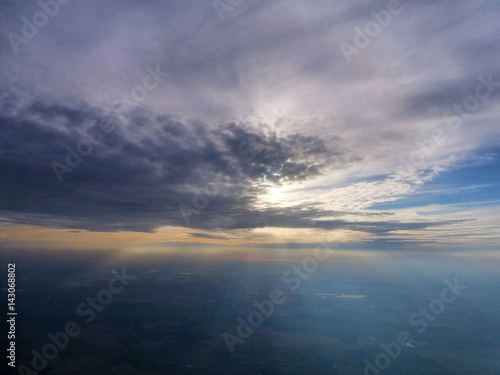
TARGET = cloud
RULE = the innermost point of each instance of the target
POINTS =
(208, 236)
(136, 177)
(315, 141)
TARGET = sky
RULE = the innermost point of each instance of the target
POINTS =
(250, 123)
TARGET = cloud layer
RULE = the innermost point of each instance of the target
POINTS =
(260, 121)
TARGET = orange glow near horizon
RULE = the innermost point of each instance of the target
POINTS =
(30, 236)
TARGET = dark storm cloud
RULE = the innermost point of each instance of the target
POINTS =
(138, 174)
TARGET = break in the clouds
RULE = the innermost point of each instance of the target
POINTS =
(240, 116)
